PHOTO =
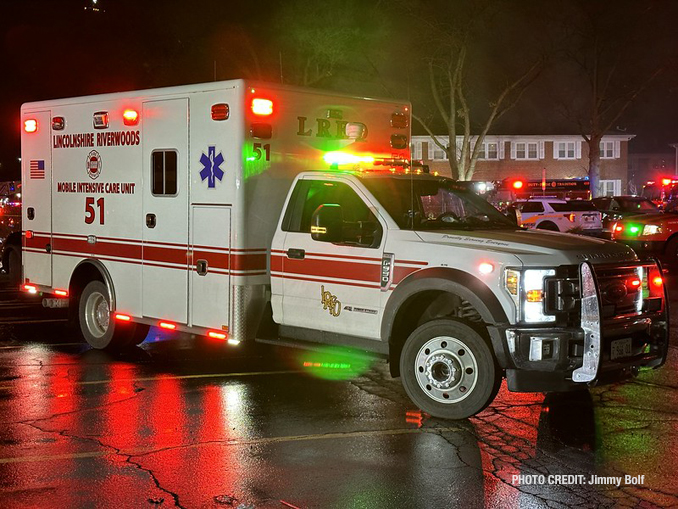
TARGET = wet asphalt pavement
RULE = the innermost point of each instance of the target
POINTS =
(183, 422)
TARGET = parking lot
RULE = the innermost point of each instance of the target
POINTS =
(182, 422)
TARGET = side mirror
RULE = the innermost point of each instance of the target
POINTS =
(327, 223)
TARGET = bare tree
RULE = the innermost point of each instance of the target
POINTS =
(611, 67)
(454, 50)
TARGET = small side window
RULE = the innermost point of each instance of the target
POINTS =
(164, 173)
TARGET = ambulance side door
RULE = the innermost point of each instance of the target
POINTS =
(330, 286)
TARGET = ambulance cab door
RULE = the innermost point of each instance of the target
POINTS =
(36, 175)
(165, 210)
(331, 286)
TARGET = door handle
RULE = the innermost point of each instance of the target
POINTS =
(297, 254)
(150, 220)
(201, 267)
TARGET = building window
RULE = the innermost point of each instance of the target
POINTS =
(164, 173)
(526, 150)
(416, 149)
(438, 153)
(610, 187)
(489, 151)
(566, 150)
(609, 150)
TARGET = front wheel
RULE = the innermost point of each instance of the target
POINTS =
(96, 321)
(448, 370)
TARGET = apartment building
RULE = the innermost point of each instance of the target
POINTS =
(529, 156)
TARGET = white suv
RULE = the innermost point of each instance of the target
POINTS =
(548, 213)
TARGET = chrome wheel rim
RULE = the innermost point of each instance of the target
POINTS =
(446, 369)
(97, 314)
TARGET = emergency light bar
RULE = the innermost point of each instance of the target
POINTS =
(339, 158)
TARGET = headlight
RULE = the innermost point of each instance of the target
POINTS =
(652, 229)
(527, 291)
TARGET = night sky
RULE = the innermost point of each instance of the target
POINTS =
(63, 48)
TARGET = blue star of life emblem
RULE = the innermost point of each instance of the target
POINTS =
(211, 170)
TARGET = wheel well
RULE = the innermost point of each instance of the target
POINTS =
(423, 307)
(14, 241)
(666, 243)
(82, 276)
(550, 224)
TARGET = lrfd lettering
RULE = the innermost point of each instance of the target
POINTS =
(324, 129)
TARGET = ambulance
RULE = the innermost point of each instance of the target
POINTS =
(243, 211)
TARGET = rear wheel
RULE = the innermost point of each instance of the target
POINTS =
(14, 269)
(448, 370)
(97, 325)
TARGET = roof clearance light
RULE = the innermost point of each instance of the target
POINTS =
(262, 107)
(339, 158)
(30, 125)
(518, 184)
(220, 111)
(130, 117)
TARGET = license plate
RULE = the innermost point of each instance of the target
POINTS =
(621, 348)
(589, 219)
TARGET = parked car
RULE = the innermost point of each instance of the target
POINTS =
(549, 213)
(615, 208)
(650, 235)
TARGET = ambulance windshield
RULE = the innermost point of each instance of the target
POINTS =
(435, 204)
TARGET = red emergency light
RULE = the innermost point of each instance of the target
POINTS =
(518, 184)
(130, 117)
(30, 125)
(666, 182)
(262, 107)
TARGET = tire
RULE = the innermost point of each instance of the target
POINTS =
(448, 370)
(14, 269)
(97, 325)
(671, 253)
(548, 225)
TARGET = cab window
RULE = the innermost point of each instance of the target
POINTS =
(360, 225)
(532, 206)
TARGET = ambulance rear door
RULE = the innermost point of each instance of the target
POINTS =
(36, 175)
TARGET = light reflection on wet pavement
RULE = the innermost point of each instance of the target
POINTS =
(187, 423)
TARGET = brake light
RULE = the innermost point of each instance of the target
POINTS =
(262, 107)
(30, 125)
(130, 117)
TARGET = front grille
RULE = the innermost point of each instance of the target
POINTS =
(618, 295)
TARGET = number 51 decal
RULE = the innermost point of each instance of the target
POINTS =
(90, 212)
(260, 150)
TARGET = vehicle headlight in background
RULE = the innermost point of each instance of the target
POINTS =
(651, 229)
